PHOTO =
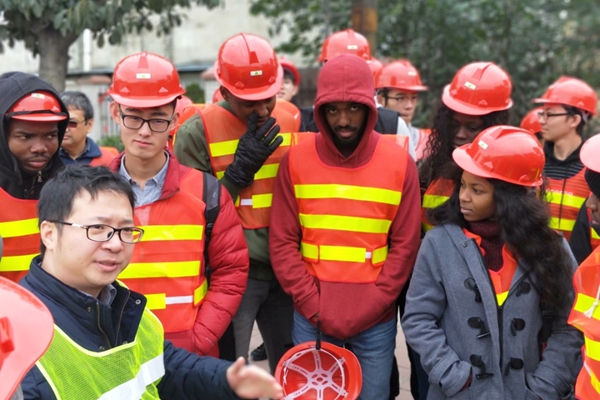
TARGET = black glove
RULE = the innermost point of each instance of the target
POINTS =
(254, 147)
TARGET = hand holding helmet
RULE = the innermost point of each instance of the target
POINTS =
(254, 147)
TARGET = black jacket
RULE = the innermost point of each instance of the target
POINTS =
(95, 326)
(580, 241)
(14, 180)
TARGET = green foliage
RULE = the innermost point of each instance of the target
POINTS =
(195, 93)
(108, 20)
(536, 41)
(112, 141)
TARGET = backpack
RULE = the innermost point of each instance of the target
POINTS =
(211, 195)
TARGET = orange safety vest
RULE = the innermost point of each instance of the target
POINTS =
(566, 202)
(223, 131)
(20, 233)
(346, 213)
(438, 192)
(420, 151)
(501, 279)
(585, 316)
(108, 154)
(168, 264)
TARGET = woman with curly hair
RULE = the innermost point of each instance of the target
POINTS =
(491, 291)
(477, 98)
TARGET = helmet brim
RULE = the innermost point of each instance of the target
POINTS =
(468, 109)
(40, 117)
(144, 102)
(255, 94)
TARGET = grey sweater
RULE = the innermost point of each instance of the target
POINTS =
(451, 301)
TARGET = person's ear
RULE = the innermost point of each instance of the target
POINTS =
(49, 234)
(90, 124)
(114, 112)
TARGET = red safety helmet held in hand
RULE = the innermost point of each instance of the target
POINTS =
(288, 65)
(26, 330)
(589, 153)
(329, 373)
(37, 106)
(503, 152)
(346, 41)
(145, 80)
(571, 92)
(531, 121)
(479, 88)
(248, 67)
(401, 75)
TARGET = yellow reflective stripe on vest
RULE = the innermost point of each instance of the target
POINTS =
(592, 349)
(160, 301)
(172, 232)
(501, 297)
(19, 228)
(343, 253)
(360, 193)
(343, 223)
(180, 269)
(594, 234)
(584, 303)
(565, 199)
(257, 201)
(265, 172)
(562, 225)
(16, 263)
(433, 201)
(228, 147)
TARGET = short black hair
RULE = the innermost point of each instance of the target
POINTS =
(287, 74)
(58, 194)
(79, 101)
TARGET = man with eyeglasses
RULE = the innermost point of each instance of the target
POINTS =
(32, 128)
(568, 104)
(106, 343)
(77, 147)
(178, 207)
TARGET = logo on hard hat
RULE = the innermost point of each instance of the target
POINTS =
(38, 95)
(483, 144)
(352, 47)
(256, 73)
(143, 75)
(470, 85)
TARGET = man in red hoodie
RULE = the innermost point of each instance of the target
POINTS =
(345, 224)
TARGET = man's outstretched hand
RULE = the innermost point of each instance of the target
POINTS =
(252, 382)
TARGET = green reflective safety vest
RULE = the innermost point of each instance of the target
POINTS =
(129, 371)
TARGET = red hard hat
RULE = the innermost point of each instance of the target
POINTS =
(182, 103)
(290, 108)
(26, 330)
(346, 41)
(37, 106)
(288, 65)
(145, 80)
(479, 88)
(375, 66)
(531, 121)
(400, 75)
(589, 153)
(503, 152)
(329, 373)
(247, 66)
(571, 92)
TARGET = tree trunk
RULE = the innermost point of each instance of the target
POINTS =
(54, 56)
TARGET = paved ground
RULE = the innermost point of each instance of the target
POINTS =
(400, 355)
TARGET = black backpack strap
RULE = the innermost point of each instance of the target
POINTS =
(211, 196)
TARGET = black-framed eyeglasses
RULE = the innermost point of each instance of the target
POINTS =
(103, 233)
(74, 123)
(155, 124)
(546, 115)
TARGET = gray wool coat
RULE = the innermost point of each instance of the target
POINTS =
(453, 321)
